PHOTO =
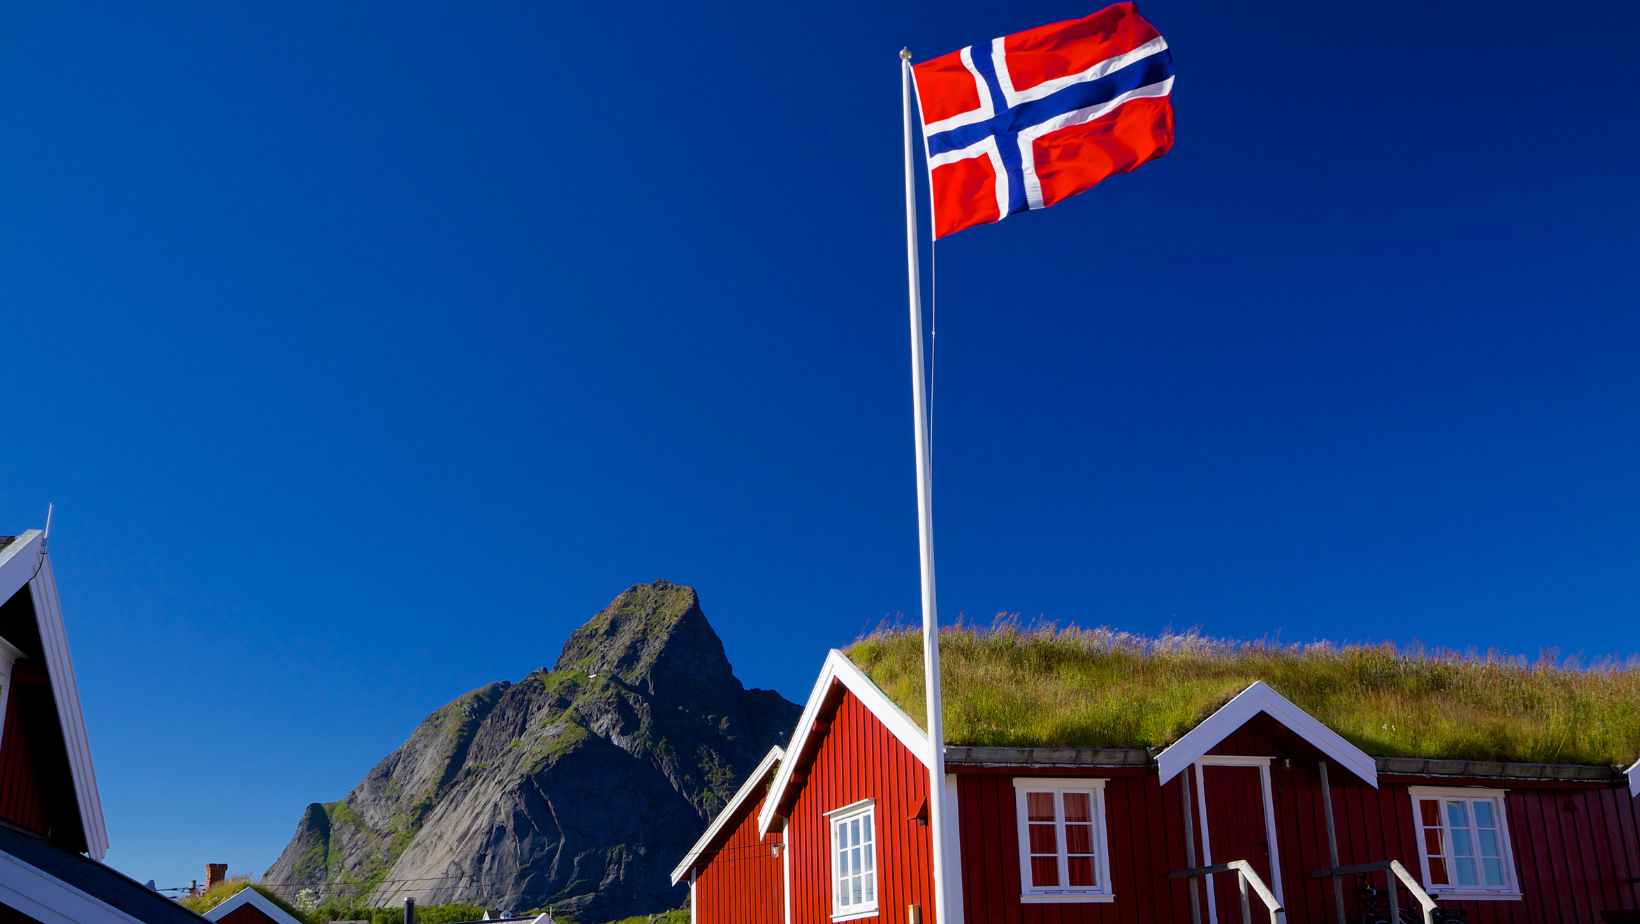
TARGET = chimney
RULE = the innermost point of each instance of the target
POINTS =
(215, 875)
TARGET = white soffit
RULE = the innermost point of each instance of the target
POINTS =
(1248, 703)
(753, 784)
(839, 669)
(249, 896)
(25, 562)
(17, 562)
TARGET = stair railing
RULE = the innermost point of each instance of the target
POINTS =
(1394, 870)
(1246, 878)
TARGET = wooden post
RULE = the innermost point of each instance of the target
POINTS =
(1246, 910)
(1392, 887)
(1332, 841)
(1190, 845)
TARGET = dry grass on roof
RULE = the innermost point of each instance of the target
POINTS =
(1016, 685)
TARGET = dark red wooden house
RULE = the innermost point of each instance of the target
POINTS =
(248, 906)
(51, 823)
(1077, 835)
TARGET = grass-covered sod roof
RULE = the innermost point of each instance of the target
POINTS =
(1042, 686)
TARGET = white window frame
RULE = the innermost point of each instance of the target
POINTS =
(1510, 891)
(1101, 840)
(864, 809)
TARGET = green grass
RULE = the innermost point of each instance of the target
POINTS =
(394, 914)
(1016, 685)
(675, 916)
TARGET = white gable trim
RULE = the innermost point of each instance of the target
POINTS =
(752, 784)
(839, 669)
(249, 896)
(67, 693)
(1634, 780)
(1247, 704)
(49, 900)
(26, 562)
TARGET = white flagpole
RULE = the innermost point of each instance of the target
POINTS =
(925, 525)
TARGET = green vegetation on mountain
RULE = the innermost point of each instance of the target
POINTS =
(1041, 686)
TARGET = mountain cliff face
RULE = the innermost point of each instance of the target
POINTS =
(580, 786)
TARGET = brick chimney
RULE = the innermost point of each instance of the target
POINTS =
(215, 875)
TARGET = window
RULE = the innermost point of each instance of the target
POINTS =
(854, 861)
(1062, 848)
(1463, 842)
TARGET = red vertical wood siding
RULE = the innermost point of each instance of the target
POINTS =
(860, 759)
(21, 800)
(741, 882)
(246, 914)
(1575, 847)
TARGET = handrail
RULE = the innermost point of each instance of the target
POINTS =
(1425, 902)
(1245, 876)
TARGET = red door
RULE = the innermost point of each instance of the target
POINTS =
(1236, 829)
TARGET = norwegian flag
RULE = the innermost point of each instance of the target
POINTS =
(1036, 117)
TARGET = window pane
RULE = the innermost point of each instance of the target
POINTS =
(1081, 872)
(1489, 843)
(1437, 872)
(1432, 842)
(1456, 816)
(1430, 811)
(1494, 872)
(871, 887)
(1044, 872)
(1483, 814)
(855, 884)
(1077, 807)
(869, 864)
(1079, 838)
(854, 861)
(1043, 839)
(854, 833)
(865, 824)
(1466, 871)
(1039, 806)
(1461, 846)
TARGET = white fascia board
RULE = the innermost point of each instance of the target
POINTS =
(18, 561)
(49, 900)
(839, 669)
(1248, 703)
(745, 792)
(1634, 780)
(67, 693)
(249, 896)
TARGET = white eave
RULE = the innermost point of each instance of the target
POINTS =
(26, 562)
(49, 900)
(747, 789)
(838, 669)
(1634, 780)
(249, 896)
(1249, 703)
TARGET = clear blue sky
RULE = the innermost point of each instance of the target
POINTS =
(367, 350)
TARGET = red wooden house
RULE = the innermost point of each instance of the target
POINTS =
(51, 822)
(1077, 835)
(248, 906)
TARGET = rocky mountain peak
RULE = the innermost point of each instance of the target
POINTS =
(655, 637)
(578, 787)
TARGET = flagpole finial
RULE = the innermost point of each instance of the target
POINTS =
(905, 54)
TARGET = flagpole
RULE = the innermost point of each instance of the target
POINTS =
(925, 526)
